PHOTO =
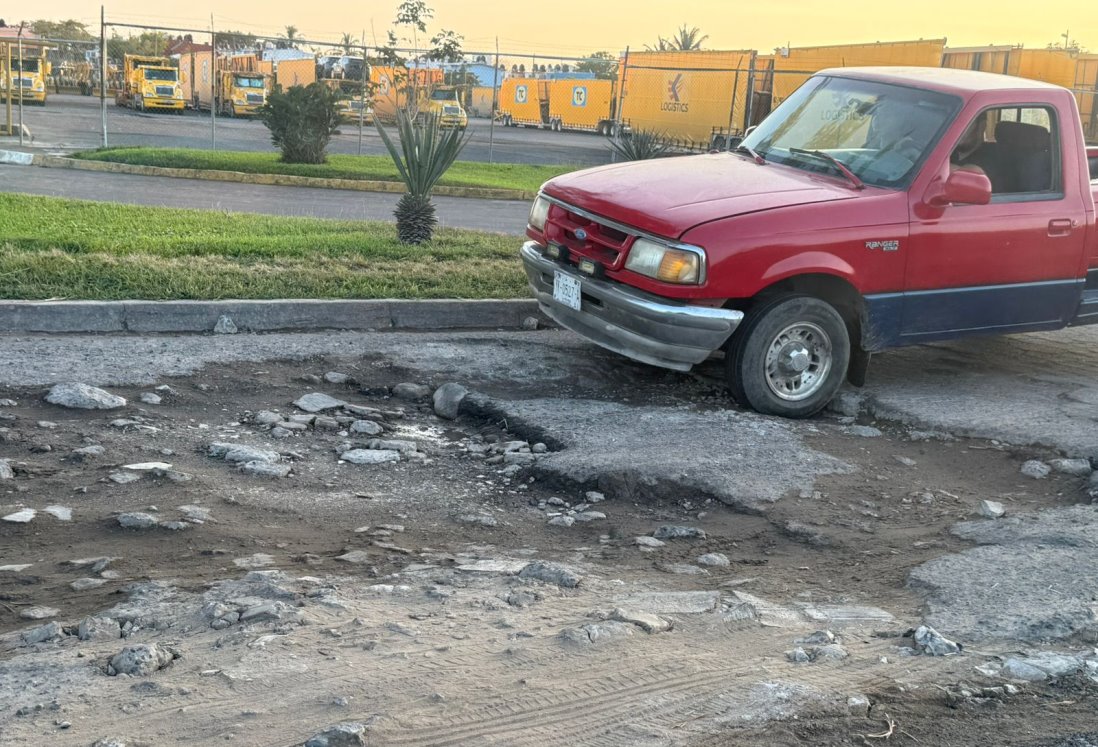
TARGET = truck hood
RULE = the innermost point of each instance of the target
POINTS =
(669, 196)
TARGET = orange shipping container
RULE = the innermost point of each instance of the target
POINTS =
(795, 65)
(289, 73)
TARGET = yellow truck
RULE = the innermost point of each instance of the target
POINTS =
(352, 104)
(444, 102)
(29, 74)
(239, 94)
(150, 84)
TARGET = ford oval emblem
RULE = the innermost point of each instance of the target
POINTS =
(581, 234)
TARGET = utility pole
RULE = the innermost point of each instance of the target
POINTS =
(495, 106)
(103, 70)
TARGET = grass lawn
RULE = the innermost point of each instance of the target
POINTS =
(57, 248)
(380, 168)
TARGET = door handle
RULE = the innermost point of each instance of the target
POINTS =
(1061, 227)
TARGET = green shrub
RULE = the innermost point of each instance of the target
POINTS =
(640, 145)
(302, 121)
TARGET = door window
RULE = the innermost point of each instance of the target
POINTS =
(1017, 148)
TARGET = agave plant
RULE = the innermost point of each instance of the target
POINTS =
(423, 156)
(640, 145)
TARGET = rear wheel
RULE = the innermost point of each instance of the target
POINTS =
(789, 356)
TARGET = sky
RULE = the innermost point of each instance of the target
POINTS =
(578, 27)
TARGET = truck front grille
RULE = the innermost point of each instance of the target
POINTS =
(599, 241)
(255, 98)
(166, 91)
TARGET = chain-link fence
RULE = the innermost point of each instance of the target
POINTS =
(165, 87)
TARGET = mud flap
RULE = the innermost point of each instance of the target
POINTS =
(858, 367)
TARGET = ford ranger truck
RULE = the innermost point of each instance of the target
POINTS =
(875, 207)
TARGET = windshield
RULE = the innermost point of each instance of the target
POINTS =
(152, 73)
(29, 66)
(880, 132)
(247, 82)
(444, 95)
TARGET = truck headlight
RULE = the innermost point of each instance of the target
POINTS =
(666, 263)
(539, 213)
(39, 87)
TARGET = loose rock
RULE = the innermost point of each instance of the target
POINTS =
(864, 431)
(595, 634)
(932, 643)
(150, 399)
(266, 417)
(318, 402)
(99, 628)
(412, 392)
(713, 559)
(370, 456)
(1036, 469)
(447, 400)
(369, 427)
(83, 397)
(552, 573)
(678, 532)
(1073, 467)
(562, 521)
(83, 584)
(335, 377)
(23, 516)
(483, 520)
(137, 520)
(51, 631)
(39, 613)
(6, 472)
(349, 734)
(651, 542)
(646, 621)
(265, 469)
(141, 660)
(991, 509)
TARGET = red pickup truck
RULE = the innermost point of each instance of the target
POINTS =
(875, 207)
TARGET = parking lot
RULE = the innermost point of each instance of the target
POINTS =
(71, 122)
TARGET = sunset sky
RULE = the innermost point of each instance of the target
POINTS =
(577, 27)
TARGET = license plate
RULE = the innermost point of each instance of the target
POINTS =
(566, 290)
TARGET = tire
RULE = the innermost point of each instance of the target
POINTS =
(789, 357)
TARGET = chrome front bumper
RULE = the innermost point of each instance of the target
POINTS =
(641, 326)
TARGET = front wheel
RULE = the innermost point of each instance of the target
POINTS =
(789, 356)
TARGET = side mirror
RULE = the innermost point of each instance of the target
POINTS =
(962, 187)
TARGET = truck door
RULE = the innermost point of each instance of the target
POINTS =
(1011, 265)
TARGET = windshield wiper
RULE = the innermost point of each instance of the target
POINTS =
(858, 183)
(741, 148)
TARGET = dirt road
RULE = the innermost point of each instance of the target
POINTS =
(593, 552)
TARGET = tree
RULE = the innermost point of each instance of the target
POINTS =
(424, 155)
(348, 42)
(302, 121)
(684, 40)
(603, 64)
(234, 40)
(446, 47)
(151, 43)
(65, 32)
(292, 34)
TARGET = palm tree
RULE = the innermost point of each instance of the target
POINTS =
(347, 42)
(291, 34)
(684, 40)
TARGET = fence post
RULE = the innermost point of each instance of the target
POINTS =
(495, 105)
(103, 70)
(213, 85)
(749, 108)
(21, 63)
(362, 104)
(7, 87)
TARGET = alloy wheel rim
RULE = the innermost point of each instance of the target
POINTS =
(798, 361)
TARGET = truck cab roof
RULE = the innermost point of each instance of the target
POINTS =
(946, 80)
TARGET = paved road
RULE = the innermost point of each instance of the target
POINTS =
(487, 215)
(69, 122)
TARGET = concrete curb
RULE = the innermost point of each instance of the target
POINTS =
(283, 180)
(16, 157)
(262, 316)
